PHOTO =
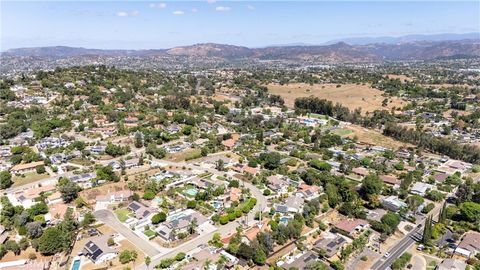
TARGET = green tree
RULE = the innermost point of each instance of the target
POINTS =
(51, 241)
(5, 180)
(160, 217)
(68, 189)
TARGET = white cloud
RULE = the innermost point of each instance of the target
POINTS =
(122, 14)
(178, 12)
(211, 1)
(128, 14)
(250, 7)
(194, 10)
(158, 5)
(222, 9)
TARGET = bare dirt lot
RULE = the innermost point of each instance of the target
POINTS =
(350, 95)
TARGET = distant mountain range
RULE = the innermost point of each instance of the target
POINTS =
(394, 49)
(404, 39)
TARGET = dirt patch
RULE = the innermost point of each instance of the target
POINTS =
(350, 95)
(89, 195)
(402, 78)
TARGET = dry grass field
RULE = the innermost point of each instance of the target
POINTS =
(350, 95)
(374, 137)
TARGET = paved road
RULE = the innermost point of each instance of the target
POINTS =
(395, 252)
(107, 217)
(405, 243)
(223, 230)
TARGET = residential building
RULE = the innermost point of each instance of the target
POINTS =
(98, 251)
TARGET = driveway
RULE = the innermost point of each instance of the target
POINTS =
(109, 218)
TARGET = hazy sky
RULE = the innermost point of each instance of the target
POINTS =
(144, 25)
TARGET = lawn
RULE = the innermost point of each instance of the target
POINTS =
(122, 214)
(28, 178)
(150, 234)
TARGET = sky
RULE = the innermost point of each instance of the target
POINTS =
(157, 25)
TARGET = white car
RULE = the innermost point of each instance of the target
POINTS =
(386, 255)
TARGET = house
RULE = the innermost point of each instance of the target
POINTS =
(350, 227)
(331, 244)
(440, 177)
(278, 183)
(26, 168)
(293, 204)
(211, 255)
(97, 249)
(309, 192)
(130, 163)
(420, 188)
(140, 210)
(451, 264)
(390, 179)
(360, 171)
(179, 223)
(55, 197)
(117, 196)
(56, 213)
(84, 180)
(393, 203)
(27, 197)
(301, 262)
(470, 245)
(229, 144)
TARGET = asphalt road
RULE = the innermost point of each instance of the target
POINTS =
(404, 244)
(109, 218)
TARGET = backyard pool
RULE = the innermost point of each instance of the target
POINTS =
(191, 192)
(284, 219)
(76, 264)
(216, 205)
(158, 200)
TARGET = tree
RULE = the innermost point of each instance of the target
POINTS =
(427, 231)
(160, 217)
(138, 138)
(88, 219)
(391, 220)
(192, 227)
(40, 169)
(51, 241)
(68, 189)
(442, 217)
(220, 165)
(148, 260)
(12, 246)
(5, 180)
(259, 257)
(470, 211)
(191, 204)
(127, 256)
(34, 229)
(371, 185)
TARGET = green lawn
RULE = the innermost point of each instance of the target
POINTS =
(122, 214)
(150, 234)
(28, 178)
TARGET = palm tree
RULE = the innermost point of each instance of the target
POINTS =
(193, 226)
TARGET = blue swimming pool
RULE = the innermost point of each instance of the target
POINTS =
(76, 265)
(191, 191)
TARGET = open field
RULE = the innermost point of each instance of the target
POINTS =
(374, 137)
(28, 178)
(188, 154)
(402, 78)
(350, 95)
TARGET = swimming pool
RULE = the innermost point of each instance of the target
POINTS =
(191, 192)
(216, 204)
(76, 264)
(284, 219)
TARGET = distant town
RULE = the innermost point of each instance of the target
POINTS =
(116, 162)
